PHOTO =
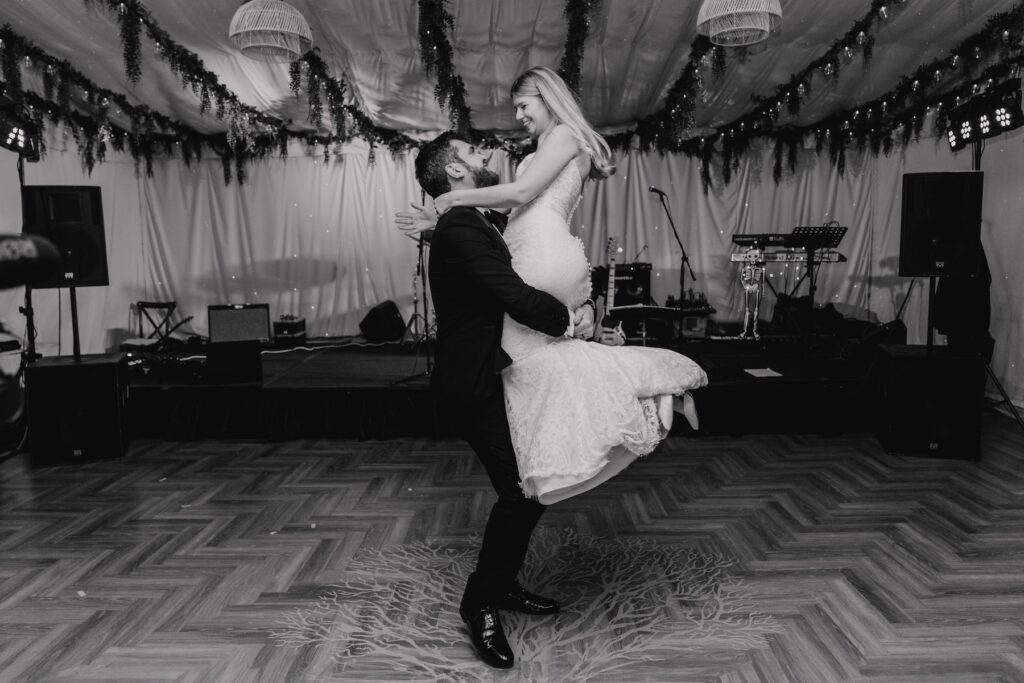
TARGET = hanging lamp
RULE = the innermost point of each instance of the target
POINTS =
(270, 31)
(734, 23)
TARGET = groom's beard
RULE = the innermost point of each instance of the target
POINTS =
(484, 177)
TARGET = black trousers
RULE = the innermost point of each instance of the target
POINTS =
(483, 423)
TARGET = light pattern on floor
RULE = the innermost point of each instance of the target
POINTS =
(624, 600)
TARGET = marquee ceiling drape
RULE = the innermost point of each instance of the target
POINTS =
(635, 51)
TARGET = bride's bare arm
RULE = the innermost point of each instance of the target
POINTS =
(557, 150)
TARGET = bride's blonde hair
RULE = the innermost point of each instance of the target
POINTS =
(562, 103)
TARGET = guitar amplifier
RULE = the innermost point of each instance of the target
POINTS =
(632, 284)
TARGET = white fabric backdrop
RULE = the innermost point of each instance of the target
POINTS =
(316, 239)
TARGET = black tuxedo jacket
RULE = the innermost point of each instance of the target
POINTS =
(473, 285)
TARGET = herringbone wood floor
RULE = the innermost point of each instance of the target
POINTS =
(183, 561)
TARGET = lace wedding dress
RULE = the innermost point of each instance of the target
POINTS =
(579, 411)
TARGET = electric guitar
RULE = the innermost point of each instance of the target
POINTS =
(611, 329)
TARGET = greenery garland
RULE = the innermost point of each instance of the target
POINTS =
(897, 116)
(902, 111)
(577, 16)
(133, 17)
(436, 52)
(348, 119)
(68, 93)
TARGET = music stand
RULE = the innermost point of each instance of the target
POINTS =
(814, 238)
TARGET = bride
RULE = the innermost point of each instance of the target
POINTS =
(579, 412)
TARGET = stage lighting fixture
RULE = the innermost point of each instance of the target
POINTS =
(993, 113)
(19, 136)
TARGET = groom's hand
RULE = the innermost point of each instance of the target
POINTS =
(421, 220)
(583, 320)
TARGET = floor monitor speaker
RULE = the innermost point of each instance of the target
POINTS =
(383, 323)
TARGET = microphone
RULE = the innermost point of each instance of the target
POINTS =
(27, 259)
(655, 190)
(640, 252)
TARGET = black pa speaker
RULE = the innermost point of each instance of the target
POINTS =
(940, 227)
(76, 410)
(383, 323)
(929, 402)
(71, 217)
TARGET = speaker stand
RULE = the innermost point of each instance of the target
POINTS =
(931, 298)
(30, 354)
(76, 346)
(1006, 398)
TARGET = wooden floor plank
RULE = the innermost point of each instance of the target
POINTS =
(732, 560)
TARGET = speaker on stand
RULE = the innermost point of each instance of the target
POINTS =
(75, 405)
(71, 217)
(940, 228)
(940, 236)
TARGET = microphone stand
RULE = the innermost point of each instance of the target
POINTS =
(685, 260)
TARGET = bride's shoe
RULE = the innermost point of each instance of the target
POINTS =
(688, 408)
(665, 410)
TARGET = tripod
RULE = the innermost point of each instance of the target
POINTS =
(419, 324)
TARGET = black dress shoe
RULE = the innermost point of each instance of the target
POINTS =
(487, 636)
(519, 599)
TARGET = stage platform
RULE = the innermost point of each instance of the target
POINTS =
(381, 392)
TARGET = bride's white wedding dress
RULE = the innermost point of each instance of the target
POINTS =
(579, 412)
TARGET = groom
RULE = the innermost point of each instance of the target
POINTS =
(473, 285)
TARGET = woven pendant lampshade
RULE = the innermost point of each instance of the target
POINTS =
(270, 31)
(734, 23)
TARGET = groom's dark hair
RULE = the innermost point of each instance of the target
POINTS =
(430, 163)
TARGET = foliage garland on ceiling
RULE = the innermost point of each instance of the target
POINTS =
(253, 134)
(132, 18)
(348, 119)
(902, 110)
(577, 16)
(67, 93)
(436, 53)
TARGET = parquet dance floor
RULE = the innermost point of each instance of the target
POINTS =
(763, 558)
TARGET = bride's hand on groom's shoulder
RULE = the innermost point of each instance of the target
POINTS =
(421, 220)
(444, 202)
